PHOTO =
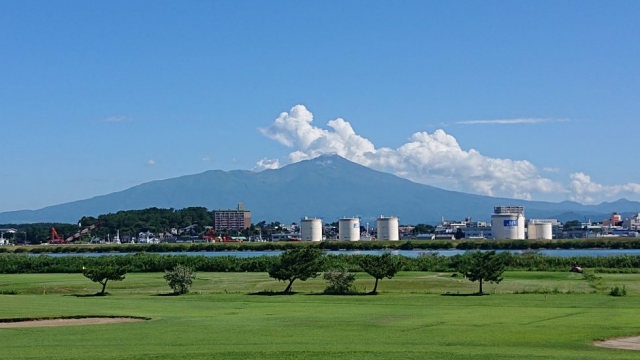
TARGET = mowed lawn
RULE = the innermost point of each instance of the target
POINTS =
(223, 318)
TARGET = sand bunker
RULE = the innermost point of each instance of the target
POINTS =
(630, 343)
(67, 322)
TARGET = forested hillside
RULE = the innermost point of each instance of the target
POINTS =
(129, 222)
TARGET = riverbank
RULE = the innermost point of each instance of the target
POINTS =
(599, 243)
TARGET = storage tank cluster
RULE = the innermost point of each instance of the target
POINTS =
(310, 229)
(507, 222)
(349, 229)
(539, 230)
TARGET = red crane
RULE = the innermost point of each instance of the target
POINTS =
(55, 238)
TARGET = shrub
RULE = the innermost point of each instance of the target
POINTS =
(618, 291)
(179, 279)
(339, 281)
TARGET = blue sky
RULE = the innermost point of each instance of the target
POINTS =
(527, 99)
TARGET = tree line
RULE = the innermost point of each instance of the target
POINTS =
(428, 261)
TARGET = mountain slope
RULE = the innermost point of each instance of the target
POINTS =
(329, 187)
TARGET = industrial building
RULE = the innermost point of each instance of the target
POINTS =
(388, 228)
(544, 229)
(310, 229)
(349, 229)
(231, 220)
(507, 222)
(477, 230)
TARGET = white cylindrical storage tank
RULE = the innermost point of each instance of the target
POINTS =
(349, 229)
(532, 231)
(388, 228)
(507, 226)
(311, 229)
(521, 226)
(541, 231)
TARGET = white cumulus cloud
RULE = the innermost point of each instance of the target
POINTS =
(427, 158)
(583, 189)
(265, 163)
(435, 159)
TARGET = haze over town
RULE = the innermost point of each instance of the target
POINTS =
(524, 100)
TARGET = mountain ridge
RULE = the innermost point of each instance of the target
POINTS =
(328, 186)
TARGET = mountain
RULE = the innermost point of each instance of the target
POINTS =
(329, 187)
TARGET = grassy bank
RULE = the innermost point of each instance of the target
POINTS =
(409, 319)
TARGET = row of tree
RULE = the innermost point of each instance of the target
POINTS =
(429, 261)
(306, 263)
(179, 278)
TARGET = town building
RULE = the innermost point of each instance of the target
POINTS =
(477, 230)
(632, 223)
(232, 219)
(614, 220)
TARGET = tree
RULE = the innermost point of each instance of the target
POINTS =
(299, 263)
(482, 266)
(339, 281)
(179, 278)
(572, 225)
(104, 274)
(385, 265)
(423, 229)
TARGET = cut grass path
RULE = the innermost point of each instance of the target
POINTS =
(409, 320)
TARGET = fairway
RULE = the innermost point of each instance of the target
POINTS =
(558, 316)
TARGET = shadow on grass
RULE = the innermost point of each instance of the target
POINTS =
(167, 294)
(9, 292)
(272, 293)
(71, 317)
(345, 294)
(89, 295)
(464, 295)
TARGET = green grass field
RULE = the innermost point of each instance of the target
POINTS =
(558, 317)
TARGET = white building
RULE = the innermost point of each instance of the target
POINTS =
(477, 230)
(507, 222)
(632, 223)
